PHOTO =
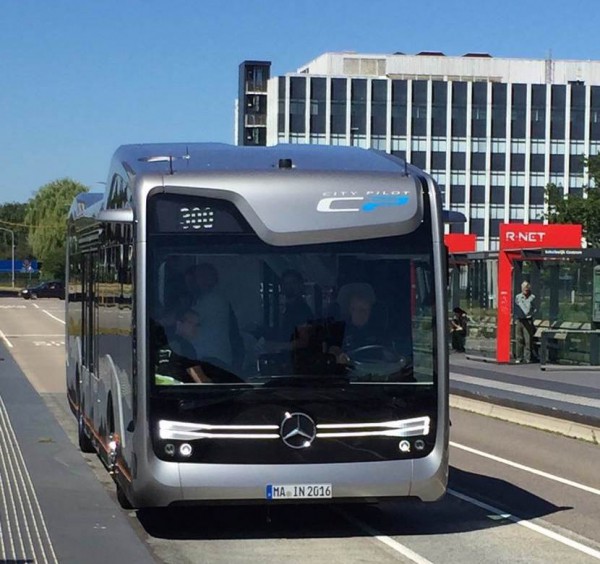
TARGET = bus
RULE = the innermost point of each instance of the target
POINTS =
(260, 325)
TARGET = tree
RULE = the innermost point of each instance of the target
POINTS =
(46, 217)
(578, 208)
(12, 217)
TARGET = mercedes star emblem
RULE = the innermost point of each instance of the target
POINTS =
(298, 430)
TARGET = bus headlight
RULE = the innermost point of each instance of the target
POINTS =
(185, 450)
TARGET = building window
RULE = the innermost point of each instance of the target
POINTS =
(419, 143)
(517, 179)
(536, 213)
(498, 146)
(379, 107)
(438, 144)
(576, 147)
(478, 178)
(457, 178)
(517, 212)
(478, 145)
(378, 142)
(575, 181)
(538, 146)
(358, 140)
(497, 211)
(537, 179)
(297, 138)
(338, 139)
(557, 147)
(439, 176)
(477, 211)
(498, 178)
(517, 146)
(557, 111)
(459, 144)
(398, 143)
(438, 107)
(318, 139)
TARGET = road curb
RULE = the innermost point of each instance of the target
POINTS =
(543, 422)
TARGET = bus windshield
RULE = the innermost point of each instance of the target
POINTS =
(230, 310)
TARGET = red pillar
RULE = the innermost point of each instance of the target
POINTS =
(505, 300)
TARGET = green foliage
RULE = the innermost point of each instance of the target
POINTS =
(12, 217)
(46, 217)
(574, 208)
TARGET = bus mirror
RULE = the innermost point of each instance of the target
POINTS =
(116, 216)
(451, 216)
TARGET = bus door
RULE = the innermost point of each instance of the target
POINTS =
(88, 341)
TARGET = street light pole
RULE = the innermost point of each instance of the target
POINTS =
(12, 248)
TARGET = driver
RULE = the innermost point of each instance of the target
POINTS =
(360, 329)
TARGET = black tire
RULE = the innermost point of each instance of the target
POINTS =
(123, 499)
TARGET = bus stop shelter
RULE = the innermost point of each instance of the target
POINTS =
(564, 277)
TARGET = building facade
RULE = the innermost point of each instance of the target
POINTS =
(493, 132)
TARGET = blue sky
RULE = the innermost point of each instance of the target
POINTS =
(79, 78)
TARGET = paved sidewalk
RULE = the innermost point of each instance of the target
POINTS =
(52, 507)
(566, 393)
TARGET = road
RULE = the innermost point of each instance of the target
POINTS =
(516, 493)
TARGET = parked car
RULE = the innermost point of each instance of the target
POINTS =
(52, 289)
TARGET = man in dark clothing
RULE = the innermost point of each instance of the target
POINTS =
(175, 356)
(360, 329)
(296, 312)
(458, 328)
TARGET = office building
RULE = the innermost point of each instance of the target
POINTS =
(492, 131)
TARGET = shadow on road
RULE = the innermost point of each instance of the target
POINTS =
(404, 517)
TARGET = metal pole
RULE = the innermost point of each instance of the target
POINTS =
(12, 247)
(13, 257)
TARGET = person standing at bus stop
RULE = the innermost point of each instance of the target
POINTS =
(525, 309)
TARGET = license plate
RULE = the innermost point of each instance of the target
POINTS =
(299, 491)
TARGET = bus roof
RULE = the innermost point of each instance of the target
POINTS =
(289, 193)
(188, 157)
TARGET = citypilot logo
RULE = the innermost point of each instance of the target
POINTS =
(352, 202)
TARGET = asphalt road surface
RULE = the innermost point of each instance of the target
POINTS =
(516, 494)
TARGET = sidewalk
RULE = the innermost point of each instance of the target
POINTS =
(571, 394)
(52, 507)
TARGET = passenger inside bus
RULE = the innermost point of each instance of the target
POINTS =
(296, 311)
(220, 339)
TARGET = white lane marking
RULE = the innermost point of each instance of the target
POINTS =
(527, 468)
(528, 525)
(525, 390)
(53, 316)
(36, 306)
(6, 341)
(22, 336)
(391, 543)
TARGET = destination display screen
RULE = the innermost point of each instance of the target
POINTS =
(178, 213)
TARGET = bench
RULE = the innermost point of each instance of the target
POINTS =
(573, 344)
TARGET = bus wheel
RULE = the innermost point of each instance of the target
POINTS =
(123, 499)
(85, 443)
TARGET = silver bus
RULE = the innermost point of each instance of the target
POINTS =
(260, 324)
